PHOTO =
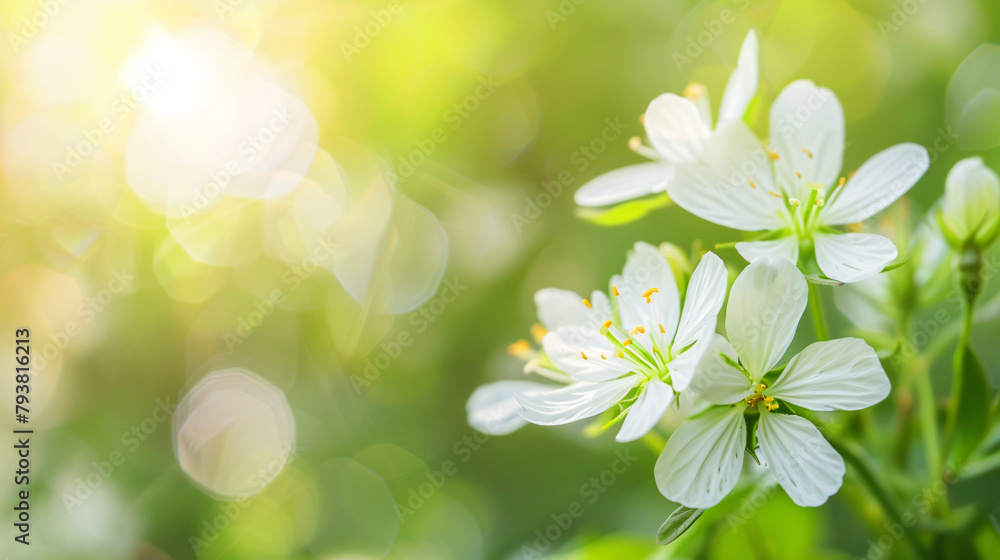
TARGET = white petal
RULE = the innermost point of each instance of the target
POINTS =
(971, 197)
(742, 85)
(684, 366)
(573, 402)
(623, 184)
(842, 374)
(716, 380)
(732, 187)
(560, 308)
(705, 294)
(807, 120)
(674, 127)
(652, 403)
(881, 180)
(804, 463)
(764, 308)
(786, 247)
(644, 269)
(703, 458)
(492, 408)
(566, 347)
(852, 257)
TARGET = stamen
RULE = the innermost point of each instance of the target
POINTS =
(768, 399)
(752, 186)
(614, 290)
(794, 202)
(605, 327)
(519, 348)
(820, 202)
(851, 174)
(587, 303)
(774, 194)
(637, 330)
(634, 143)
(538, 332)
(761, 387)
(807, 152)
(642, 118)
(772, 154)
(772, 406)
(648, 293)
(584, 355)
(694, 90)
(662, 330)
(627, 342)
(603, 357)
(798, 174)
(621, 354)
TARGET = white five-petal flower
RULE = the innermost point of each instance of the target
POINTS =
(703, 458)
(678, 128)
(639, 348)
(791, 191)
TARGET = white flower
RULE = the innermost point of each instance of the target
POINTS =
(639, 349)
(971, 201)
(678, 129)
(791, 191)
(702, 459)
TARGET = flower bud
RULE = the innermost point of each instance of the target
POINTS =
(971, 207)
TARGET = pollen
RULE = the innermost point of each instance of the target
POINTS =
(768, 399)
(520, 348)
(538, 332)
(649, 293)
(772, 154)
(662, 330)
(614, 290)
(842, 181)
(774, 194)
(807, 152)
(627, 342)
(621, 354)
(603, 357)
(795, 202)
(797, 174)
(634, 143)
(752, 185)
(584, 355)
(772, 406)
(587, 303)
(637, 330)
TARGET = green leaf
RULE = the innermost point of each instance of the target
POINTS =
(624, 213)
(823, 280)
(893, 266)
(973, 406)
(677, 524)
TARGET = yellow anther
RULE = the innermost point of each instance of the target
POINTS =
(584, 355)
(649, 293)
(695, 90)
(614, 290)
(797, 174)
(587, 303)
(761, 387)
(641, 329)
(773, 406)
(795, 202)
(634, 143)
(807, 152)
(627, 342)
(774, 194)
(856, 227)
(642, 118)
(662, 330)
(538, 332)
(752, 185)
(851, 174)
(520, 348)
(603, 357)
(621, 354)
(768, 399)
(772, 154)
(607, 325)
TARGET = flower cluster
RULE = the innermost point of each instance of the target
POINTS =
(649, 348)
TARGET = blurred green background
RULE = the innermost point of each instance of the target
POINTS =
(380, 424)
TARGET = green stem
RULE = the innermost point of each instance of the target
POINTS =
(819, 321)
(954, 403)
